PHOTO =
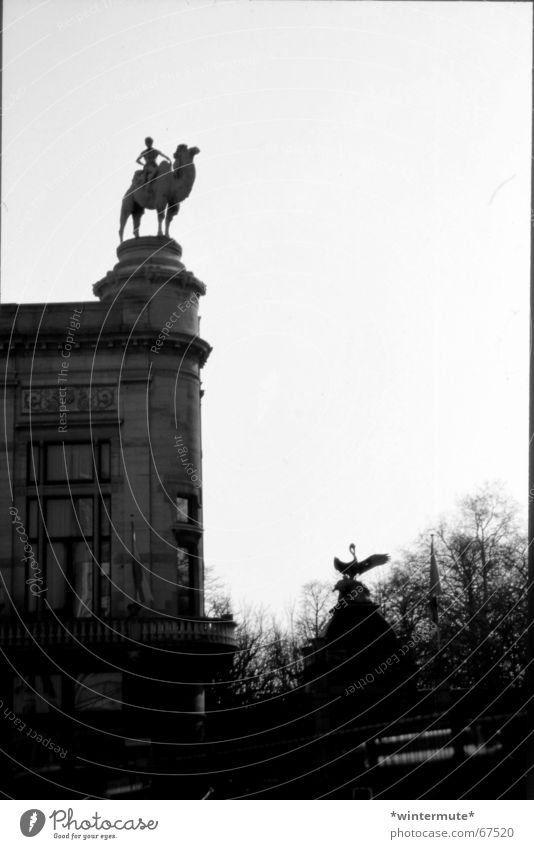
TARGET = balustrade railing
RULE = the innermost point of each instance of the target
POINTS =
(92, 630)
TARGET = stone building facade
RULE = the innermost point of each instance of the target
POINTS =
(102, 621)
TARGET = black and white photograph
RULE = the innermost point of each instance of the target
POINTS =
(265, 287)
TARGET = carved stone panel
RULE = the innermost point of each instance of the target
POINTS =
(46, 399)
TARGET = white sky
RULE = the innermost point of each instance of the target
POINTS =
(361, 219)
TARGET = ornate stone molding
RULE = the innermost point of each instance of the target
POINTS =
(78, 399)
(144, 263)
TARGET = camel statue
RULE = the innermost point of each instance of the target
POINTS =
(165, 192)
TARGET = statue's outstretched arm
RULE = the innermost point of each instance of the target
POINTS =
(159, 153)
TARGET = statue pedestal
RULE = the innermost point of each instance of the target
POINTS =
(359, 625)
(360, 645)
(164, 251)
(145, 266)
(359, 660)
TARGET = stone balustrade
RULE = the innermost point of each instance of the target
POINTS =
(89, 630)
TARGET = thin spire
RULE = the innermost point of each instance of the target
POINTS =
(435, 588)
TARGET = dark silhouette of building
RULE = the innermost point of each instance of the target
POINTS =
(106, 655)
(106, 652)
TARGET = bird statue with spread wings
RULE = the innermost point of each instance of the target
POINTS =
(348, 587)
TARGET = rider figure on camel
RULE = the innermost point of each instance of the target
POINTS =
(150, 155)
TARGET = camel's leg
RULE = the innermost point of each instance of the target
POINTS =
(172, 210)
(125, 214)
(136, 215)
(161, 216)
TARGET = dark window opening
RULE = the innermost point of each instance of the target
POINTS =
(70, 570)
(183, 578)
(68, 462)
(186, 508)
(182, 508)
(69, 528)
(33, 463)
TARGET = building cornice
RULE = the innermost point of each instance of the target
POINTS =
(181, 342)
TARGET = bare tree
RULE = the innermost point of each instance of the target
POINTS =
(217, 599)
(267, 660)
(313, 612)
(481, 554)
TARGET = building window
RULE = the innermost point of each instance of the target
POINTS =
(76, 563)
(69, 462)
(183, 578)
(69, 528)
(105, 461)
(182, 508)
(36, 693)
(186, 507)
(33, 463)
(69, 517)
(104, 559)
(98, 691)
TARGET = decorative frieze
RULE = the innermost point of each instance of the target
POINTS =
(78, 399)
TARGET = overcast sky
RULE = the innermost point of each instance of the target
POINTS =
(361, 220)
